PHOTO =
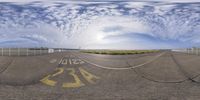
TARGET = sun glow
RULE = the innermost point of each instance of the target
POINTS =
(99, 37)
(101, 29)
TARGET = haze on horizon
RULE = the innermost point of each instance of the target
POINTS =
(100, 24)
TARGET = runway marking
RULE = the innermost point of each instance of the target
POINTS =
(104, 67)
(53, 60)
(77, 61)
(77, 82)
(72, 72)
(71, 61)
(60, 71)
(88, 76)
(61, 61)
(64, 62)
(46, 79)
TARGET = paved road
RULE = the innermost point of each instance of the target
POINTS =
(77, 76)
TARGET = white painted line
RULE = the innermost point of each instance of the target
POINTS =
(70, 61)
(104, 67)
(64, 62)
(74, 61)
(53, 61)
(61, 60)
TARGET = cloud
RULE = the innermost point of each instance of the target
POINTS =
(99, 0)
(87, 24)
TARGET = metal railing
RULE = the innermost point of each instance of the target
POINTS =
(30, 51)
(195, 51)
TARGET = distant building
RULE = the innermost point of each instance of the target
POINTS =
(50, 50)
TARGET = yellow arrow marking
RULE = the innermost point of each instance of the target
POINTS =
(46, 81)
(49, 82)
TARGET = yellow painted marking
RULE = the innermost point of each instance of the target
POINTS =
(88, 76)
(75, 84)
(49, 82)
(60, 71)
(46, 81)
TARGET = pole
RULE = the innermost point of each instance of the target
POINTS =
(9, 51)
(18, 51)
(40, 51)
(26, 51)
(2, 51)
(192, 51)
(34, 51)
(189, 51)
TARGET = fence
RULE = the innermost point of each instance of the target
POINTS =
(195, 51)
(27, 51)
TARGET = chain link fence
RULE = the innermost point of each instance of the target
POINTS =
(27, 51)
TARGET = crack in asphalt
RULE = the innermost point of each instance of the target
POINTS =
(180, 69)
(183, 71)
(6, 67)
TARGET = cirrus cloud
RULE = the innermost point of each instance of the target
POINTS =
(91, 24)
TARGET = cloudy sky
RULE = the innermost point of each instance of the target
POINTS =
(100, 24)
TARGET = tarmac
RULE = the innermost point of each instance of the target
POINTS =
(72, 75)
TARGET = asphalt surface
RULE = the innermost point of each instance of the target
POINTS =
(78, 76)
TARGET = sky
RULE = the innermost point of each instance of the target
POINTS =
(100, 24)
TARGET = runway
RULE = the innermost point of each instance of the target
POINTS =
(72, 75)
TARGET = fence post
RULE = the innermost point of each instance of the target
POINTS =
(9, 51)
(40, 51)
(18, 51)
(1, 51)
(192, 51)
(34, 51)
(26, 51)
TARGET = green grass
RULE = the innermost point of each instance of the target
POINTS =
(118, 52)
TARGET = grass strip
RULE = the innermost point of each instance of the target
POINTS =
(118, 52)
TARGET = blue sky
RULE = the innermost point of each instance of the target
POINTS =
(99, 24)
